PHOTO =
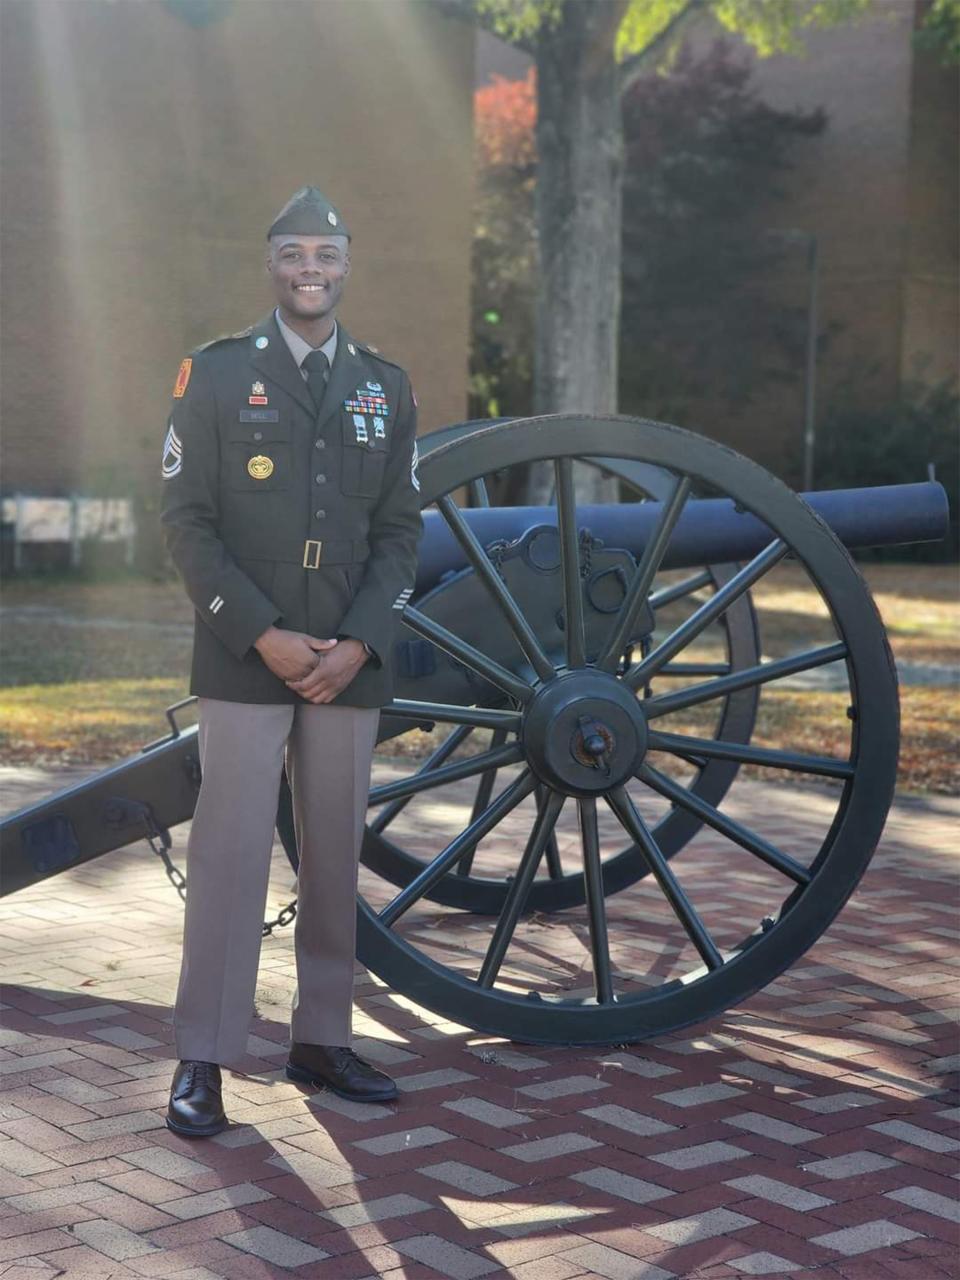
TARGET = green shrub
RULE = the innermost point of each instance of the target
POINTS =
(857, 447)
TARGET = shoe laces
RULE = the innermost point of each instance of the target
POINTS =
(344, 1055)
(203, 1073)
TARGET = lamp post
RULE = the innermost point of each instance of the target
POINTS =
(794, 235)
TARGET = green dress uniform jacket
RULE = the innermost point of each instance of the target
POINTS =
(276, 514)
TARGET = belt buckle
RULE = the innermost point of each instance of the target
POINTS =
(311, 553)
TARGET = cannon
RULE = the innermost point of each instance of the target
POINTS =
(578, 638)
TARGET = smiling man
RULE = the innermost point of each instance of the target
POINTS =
(291, 511)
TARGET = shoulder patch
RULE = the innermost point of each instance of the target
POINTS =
(183, 377)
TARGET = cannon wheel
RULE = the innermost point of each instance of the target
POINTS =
(556, 759)
(556, 890)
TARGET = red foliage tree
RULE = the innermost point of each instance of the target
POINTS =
(505, 117)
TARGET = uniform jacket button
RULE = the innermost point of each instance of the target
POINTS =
(320, 444)
(320, 478)
(319, 514)
(258, 435)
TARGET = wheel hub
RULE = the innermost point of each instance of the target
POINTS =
(584, 732)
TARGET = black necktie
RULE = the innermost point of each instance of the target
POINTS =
(318, 375)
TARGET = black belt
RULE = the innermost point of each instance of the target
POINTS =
(318, 553)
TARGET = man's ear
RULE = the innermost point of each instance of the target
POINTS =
(346, 263)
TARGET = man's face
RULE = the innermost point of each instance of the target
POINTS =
(308, 273)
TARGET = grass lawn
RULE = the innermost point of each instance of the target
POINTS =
(88, 668)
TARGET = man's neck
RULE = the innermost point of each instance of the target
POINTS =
(315, 332)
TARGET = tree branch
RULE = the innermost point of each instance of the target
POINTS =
(605, 32)
(467, 11)
(632, 68)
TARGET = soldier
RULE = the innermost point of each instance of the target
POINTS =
(291, 511)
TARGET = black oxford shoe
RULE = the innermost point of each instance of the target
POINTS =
(196, 1105)
(340, 1070)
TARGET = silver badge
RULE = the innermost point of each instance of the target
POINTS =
(374, 386)
(332, 218)
(378, 430)
(360, 423)
(262, 343)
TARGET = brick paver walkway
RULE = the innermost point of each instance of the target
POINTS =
(811, 1132)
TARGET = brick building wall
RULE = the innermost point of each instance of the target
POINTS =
(146, 148)
(879, 190)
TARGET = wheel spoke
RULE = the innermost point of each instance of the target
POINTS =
(450, 713)
(733, 830)
(435, 759)
(435, 870)
(478, 492)
(467, 654)
(554, 865)
(638, 591)
(681, 744)
(596, 905)
(680, 670)
(705, 614)
(662, 704)
(519, 888)
(499, 593)
(552, 852)
(632, 822)
(480, 802)
(573, 628)
(511, 753)
(677, 590)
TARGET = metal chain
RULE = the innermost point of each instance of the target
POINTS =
(586, 553)
(159, 841)
(495, 555)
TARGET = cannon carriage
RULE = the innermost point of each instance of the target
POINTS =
(554, 652)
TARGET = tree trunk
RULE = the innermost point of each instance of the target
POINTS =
(578, 210)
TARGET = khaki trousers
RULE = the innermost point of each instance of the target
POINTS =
(328, 754)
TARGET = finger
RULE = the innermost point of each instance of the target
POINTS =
(320, 645)
(324, 692)
(317, 679)
(310, 672)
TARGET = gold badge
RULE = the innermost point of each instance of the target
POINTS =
(260, 467)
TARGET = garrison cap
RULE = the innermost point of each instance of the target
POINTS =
(308, 213)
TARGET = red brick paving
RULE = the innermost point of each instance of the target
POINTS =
(863, 1029)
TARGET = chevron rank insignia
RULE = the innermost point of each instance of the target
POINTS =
(172, 459)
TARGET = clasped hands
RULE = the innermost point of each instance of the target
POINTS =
(318, 670)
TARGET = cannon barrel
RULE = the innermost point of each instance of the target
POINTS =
(710, 531)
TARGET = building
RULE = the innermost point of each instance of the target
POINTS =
(878, 191)
(145, 149)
